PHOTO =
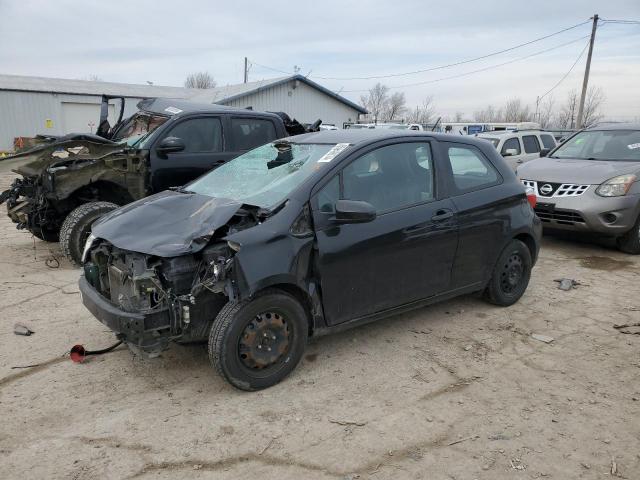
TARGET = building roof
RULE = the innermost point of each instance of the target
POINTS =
(219, 94)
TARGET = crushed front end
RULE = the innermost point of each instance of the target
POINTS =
(149, 301)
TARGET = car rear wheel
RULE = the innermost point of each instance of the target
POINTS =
(510, 276)
(77, 226)
(255, 343)
(630, 241)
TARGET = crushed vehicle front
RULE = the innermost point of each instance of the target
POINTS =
(160, 269)
(58, 167)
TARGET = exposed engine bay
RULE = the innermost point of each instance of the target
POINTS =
(169, 299)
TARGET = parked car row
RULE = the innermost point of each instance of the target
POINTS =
(251, 232)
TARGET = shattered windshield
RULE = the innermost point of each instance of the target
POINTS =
(266, 175)
(618, 145)
(138, 127)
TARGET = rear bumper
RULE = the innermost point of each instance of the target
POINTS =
(149, 331)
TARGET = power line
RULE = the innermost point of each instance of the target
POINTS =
(439, 67)
(566, 74)
(625, 22)
(490, 67)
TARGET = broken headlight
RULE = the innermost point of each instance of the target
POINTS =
(87, 246)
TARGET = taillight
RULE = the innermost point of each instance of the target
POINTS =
(531, 197)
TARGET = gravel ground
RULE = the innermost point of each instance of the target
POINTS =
(460, 390)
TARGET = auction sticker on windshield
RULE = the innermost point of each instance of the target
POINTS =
(633, 146)
(173, 110)
(333, 153)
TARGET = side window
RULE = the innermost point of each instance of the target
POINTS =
(199, 135)
(511, 144)
(329, 195)
(548, 141)
(471, 170)
(249, 133)
(531, 144)
(391, 177)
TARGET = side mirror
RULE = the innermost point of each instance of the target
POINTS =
(170, 145)
(544, 152)
(353, 211)
(510, 152)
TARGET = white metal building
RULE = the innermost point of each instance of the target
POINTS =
(36, 105)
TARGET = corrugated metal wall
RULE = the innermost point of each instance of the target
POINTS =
(303, 102)
(26, 114)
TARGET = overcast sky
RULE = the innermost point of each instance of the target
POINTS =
(135, 41)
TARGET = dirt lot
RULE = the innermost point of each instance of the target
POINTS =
(457, 391)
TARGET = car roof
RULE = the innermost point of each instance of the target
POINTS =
(615, 126)
(498, 133)
(364, 136)
(172, 107)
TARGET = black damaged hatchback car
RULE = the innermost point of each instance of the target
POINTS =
(309, 235)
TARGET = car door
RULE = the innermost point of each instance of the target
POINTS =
(512, 144)
(248, 132)
(548, 142)
(531, 147)
(203, 138)
(406, 253)
(483, 212)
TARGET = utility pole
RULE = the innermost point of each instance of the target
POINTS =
(586, 72)
(246, 70)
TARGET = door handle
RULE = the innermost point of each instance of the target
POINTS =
(441, 215)
(519, 161)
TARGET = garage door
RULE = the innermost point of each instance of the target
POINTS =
(83, 117)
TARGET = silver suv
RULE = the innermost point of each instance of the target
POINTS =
(590, 183)
(520, 146)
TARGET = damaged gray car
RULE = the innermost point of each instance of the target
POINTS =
(308, 235)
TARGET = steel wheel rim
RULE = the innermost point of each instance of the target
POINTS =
(512, 273)
(265, 341)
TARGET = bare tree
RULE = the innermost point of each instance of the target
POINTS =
(200, 80)
(489, 114)
(376, 100)
(423, 113)
(566, 116)
(545, 111)
(592, 112)
(395, 107)
(515, 111)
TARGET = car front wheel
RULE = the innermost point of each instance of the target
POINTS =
(257, 342)
(510, 276)
(630, 241)
(77, 226)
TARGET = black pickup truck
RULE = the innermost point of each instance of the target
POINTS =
(68, 182)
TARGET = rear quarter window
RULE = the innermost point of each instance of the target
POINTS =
(470, 169)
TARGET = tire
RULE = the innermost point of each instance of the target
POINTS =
(77, 227)
(630, 241)
(510, 276)
(45, 234)
(235, 333)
